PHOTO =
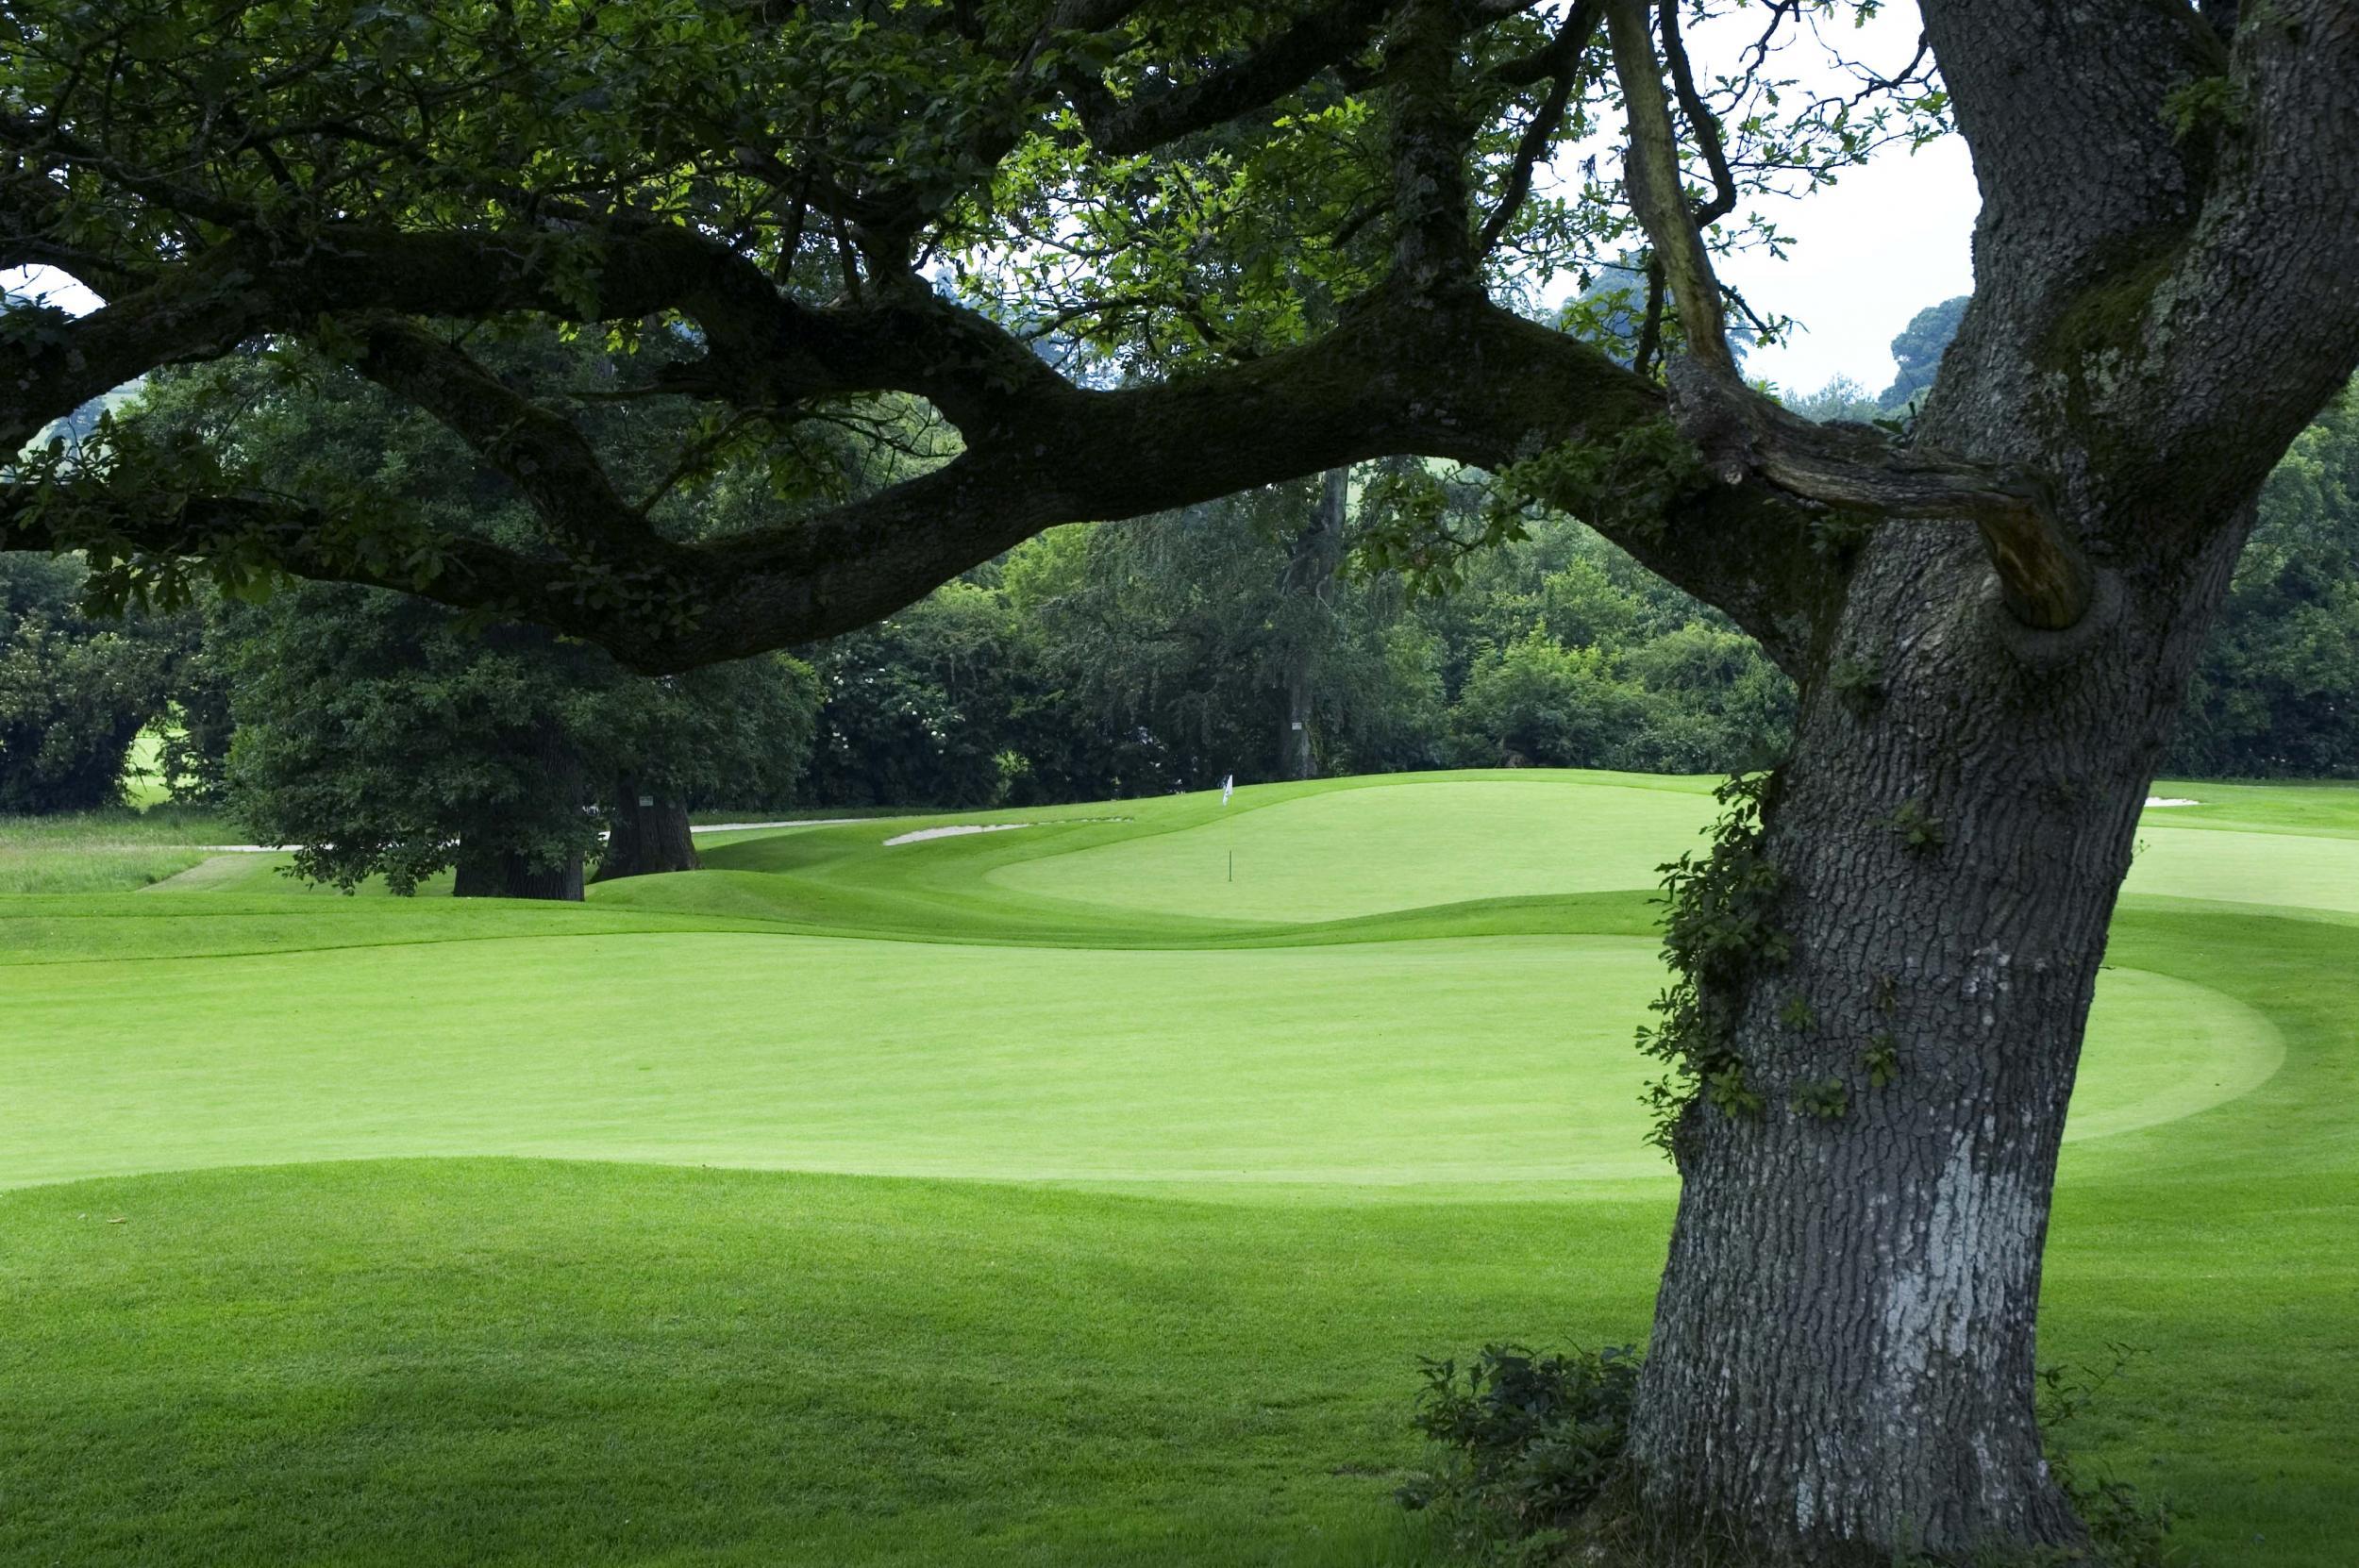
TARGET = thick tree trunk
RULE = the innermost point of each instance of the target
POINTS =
(1295, 760)
(505, 875)
(1311, 563)
(647, 833)
(1842, 1351)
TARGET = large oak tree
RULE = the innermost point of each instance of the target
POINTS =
(1990, 622)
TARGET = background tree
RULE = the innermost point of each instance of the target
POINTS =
(380, 739)
(2277, 692)
(1208, 634)
(735, 735)
(1919, 348)
(1840, 399)
(931, 707)
(1989, 623)
(381, 736)
(74, 693)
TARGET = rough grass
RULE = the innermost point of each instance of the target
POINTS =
(1221, 1182)
(101, 851)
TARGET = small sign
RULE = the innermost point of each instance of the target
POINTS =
(647, 800)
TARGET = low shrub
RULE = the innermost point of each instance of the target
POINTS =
(1529, 1441)
(1533, 1470)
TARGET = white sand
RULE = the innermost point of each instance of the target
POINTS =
(924, 833)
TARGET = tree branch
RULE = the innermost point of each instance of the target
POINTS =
(548, 460)
(1562, 62)
(1325, 38)
(2045, 579)
(1651, 173)
(764, 349)
(1701, 120)
(1462, 380)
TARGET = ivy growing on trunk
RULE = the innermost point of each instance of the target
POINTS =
(1719, 930)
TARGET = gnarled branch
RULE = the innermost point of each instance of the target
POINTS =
(1323, 38)
(1562, 62)
(1462, 380)
(542, 453)
(2044, 579)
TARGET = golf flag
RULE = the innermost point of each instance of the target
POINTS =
(1228, 788)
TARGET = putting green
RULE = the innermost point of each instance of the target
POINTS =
(1363, 851)
(1503, 1061)
(2275, 868)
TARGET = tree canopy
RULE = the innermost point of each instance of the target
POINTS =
(841, 205)
(74, 693)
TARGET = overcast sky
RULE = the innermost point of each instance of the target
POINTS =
(1869, 251)
(1887, 240)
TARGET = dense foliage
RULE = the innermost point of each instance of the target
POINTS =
(1168, 653)
(75, 690)
(2278, 692)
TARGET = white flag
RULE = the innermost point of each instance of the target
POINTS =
(1228, 788)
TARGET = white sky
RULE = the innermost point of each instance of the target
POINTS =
(1868, 253)
(45, 286)
(1893, 238)
(1888, 240)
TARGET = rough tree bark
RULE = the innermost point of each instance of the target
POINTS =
(1843, 1345)
(1843, 1352)
(647, 834)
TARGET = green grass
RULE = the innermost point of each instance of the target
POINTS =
(144, 785)
(1341, 852)
(2330, 809)
(101, 851)
(1028, 1197)
(1376, 1068)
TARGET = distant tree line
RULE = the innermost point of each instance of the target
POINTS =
(1268, 635)
(1168, 653)
(1164, 654)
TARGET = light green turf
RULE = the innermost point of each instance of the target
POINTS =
(2275, 867)
(1078, 1361)
(1325, 857)
(1376, 1067)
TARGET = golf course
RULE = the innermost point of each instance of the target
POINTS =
(1083, 1192)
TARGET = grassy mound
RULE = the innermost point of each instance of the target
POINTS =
(1227, 1163)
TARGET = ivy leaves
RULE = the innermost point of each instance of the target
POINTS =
(1718, 931)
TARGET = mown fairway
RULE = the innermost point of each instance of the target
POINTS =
(1038, 1196)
